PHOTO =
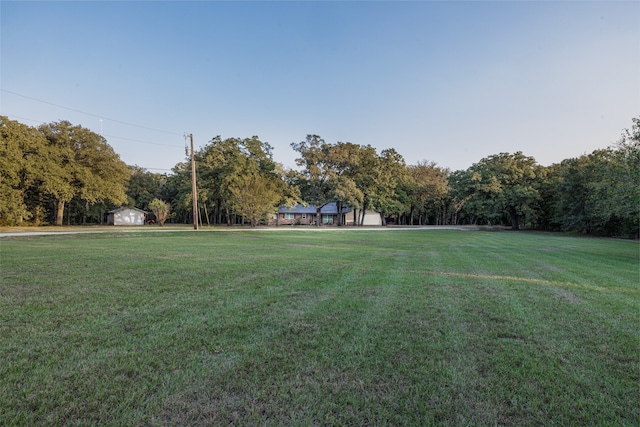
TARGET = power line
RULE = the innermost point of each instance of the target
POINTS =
(89, 114)
(105, 135)
(110, 136)
(24, 118)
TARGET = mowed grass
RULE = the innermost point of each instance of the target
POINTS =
(319, 328)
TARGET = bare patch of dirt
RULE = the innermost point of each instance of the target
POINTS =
(568, 296)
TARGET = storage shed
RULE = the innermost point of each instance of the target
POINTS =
(126, 216)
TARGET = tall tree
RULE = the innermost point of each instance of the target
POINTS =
(460, 193)
(228, 168)
(547, 219)
(144, 186)
(316, 172)
(24, 164)
(575, 200)
(600, 192)
(618, 191)
(427, 190)
(90, 169)
(285, 182)
(255, 196)
(177, 192)
(390, 174)
(505, 183)
(365, 177)
(344, 164)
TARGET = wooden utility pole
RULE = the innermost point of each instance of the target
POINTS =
(194, 193)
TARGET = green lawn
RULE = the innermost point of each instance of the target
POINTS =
(319, 328)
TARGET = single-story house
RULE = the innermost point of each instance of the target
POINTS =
(306, 215)
(126, 216)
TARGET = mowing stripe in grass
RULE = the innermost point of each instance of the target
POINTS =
(332, 328)
(536, 281)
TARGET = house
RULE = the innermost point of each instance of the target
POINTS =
(306, 215)
(126, 216)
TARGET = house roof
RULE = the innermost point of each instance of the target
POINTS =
(327, 209)
(123, 208)
(332, 208)
(309, 209)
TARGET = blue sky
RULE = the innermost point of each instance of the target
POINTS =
(449, 82)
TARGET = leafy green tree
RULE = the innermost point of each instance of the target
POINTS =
(363, 173)
(259, 154)
(390, 173)
(427, 191)
(219, 163)
(30, 173)
(226, 171)
(161, 210)
(255, 196)
(288, 191)
(618, 190)
(349, 173)
(504, 184)
(460, 193)
(547, 218)
(89, 168)
(343, 161)
(23, 158)
(177, 192)
(144, 186)
(315, 176)
(575, 205)
(600, 192)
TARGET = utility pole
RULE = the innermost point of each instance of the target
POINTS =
(194, 193)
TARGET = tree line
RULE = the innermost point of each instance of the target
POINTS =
(46, 169)
(61, 173)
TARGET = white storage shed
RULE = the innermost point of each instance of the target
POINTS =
(126, 216)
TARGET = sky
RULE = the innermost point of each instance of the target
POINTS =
(443, 82)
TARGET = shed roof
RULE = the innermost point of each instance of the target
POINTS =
(124, 208)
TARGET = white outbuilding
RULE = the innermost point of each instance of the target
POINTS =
(370, 217)
(126, 216)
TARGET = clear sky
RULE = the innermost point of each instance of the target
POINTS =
(449, 82)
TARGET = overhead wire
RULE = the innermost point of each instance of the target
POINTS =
(23, 118)
(89, 114)
(101, 117)
(158, 169)
(105, 135)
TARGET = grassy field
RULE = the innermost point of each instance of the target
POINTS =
(319, 328)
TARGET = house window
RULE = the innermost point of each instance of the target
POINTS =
(304, 216)
(288, 216)
(327, 219)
